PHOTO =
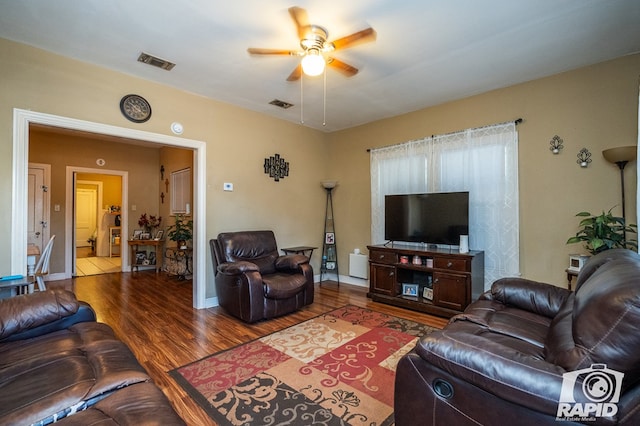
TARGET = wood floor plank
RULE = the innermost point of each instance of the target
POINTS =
(152, 313)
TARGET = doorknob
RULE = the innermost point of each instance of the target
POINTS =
(37, 235)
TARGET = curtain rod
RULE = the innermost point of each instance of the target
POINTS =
(516, 122)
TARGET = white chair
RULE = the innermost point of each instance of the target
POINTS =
(42, 267)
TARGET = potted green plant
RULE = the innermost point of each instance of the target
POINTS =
(181, 232)
(604, 232)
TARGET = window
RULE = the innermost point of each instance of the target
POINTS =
(181, 191)
(483, 161)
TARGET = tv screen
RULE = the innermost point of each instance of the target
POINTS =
(436, 218)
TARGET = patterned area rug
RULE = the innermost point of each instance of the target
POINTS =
(335, 369)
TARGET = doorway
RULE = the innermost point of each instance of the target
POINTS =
(86, 213)
(97, 218)
(21, 123)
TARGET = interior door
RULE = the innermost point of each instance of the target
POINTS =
(37, 213)
(86, 213)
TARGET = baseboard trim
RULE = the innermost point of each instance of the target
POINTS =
(211, 302)
(347, 279)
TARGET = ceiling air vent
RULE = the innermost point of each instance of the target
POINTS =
(281, 104)
(155, 61)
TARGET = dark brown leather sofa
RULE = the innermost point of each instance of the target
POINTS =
(58, 364)
(529, 353)
(253, 281)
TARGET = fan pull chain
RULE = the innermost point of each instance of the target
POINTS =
(301, 99)
(324, 99)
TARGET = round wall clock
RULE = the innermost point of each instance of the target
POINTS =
(135, 108)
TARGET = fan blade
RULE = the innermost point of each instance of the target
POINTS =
(299, 16)
(342, 67)
(296, 74)
(360, 37)
(258, 51)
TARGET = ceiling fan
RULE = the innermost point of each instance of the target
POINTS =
(316, 49)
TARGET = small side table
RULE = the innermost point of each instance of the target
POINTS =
(145, 259)
(22, 285)
(570, 274)
(300, 250)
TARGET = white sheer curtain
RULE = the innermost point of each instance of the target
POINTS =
(483, 161)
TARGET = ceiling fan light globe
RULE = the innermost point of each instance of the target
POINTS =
(313, 64)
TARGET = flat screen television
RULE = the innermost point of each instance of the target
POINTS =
(435, 218)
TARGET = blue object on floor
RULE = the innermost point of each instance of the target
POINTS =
(11, 277)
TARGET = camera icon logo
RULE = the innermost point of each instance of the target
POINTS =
(590, 392)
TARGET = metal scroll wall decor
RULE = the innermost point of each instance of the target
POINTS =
(276, 167)
(584, 157)
(556, 144)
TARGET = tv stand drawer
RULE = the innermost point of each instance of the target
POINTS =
(451, 263)
(385, 257)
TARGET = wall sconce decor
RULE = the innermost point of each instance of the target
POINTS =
(276, 167)
(556, 144)
(584, 157)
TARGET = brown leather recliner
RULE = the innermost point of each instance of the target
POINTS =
(254, 282)
(530, 353)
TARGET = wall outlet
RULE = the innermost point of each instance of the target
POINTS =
(227, 186)
(134, 207)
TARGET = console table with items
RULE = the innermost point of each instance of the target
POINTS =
(144, 258)
(435, 281)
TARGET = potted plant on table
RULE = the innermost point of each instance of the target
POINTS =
(181, 232)
(604, 232)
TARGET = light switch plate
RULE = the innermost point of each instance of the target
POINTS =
(227, 186)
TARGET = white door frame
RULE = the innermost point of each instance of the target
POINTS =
(22, 119)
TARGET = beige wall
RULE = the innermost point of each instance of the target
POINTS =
(237, 143)
(594, 107)
(111, 187)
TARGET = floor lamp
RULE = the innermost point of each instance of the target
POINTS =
(621, 156)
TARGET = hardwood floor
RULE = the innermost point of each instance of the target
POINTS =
(153, 315)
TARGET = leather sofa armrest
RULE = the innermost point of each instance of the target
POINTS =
(533, 296)
(41, 312)
(236, 268)
(291, 262)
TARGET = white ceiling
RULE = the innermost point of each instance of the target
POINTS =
(427, 51)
